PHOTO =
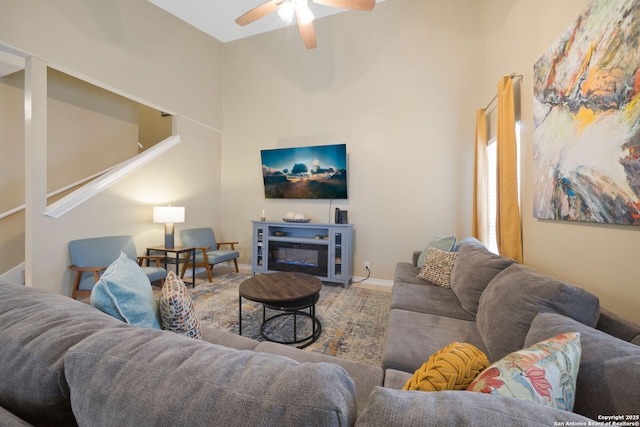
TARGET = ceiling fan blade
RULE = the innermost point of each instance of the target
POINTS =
(308, 33)
(258, 12)
(349, 4)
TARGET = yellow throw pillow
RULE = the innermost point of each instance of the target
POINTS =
(452, 368)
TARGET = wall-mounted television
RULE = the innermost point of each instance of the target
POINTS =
(317, 172)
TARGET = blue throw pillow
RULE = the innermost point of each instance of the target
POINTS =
(124, 292)
(438, 241)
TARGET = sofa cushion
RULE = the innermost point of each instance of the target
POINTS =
(177, 313)
(439, 241)
(37, 329)
(475, 267)
(396, 379)
(429, 299)
(366, 377)
(391, 408)
(124, 292)
(437, 267)
(469, 240)
(228, 339)
(413, 337)
(119, 373)
(545, 373)
(407, 273)
(616, 325)
(516, 295)
(7, 419)
(452, 368)
(609, 367)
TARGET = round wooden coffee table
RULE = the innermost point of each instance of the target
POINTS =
(286, 291)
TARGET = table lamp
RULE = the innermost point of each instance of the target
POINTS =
(168, 215)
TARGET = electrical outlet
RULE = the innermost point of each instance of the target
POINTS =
(366, 265)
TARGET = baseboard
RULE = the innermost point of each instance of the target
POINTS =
(246, 268)
(372, 281)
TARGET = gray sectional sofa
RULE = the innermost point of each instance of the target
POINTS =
(63, 362)
(500, 307)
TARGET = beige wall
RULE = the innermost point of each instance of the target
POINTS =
(130, 45)
(155, 126)
(12, 169)
(11, 141)
(134, 49)
(601, 258)
(397, 85)
(88, 129)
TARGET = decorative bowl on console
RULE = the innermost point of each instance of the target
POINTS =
(301, 220)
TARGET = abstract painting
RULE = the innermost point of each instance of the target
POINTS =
(586, 151)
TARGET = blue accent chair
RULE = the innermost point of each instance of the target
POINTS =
(208, 252)
(90, 257)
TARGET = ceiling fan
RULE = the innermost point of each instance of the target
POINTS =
(300, 8)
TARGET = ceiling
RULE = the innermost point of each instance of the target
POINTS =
(217, 17)
(214, 17)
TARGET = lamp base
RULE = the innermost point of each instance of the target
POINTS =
(168, 241)
(168, 235)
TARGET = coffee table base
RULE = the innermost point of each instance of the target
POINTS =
(316, 328)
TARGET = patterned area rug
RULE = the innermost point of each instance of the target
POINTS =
(353, 320)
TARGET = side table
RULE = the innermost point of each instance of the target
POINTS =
(191, 254)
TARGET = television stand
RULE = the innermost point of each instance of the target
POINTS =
(323, 250)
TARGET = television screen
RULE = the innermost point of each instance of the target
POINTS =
(318, 172)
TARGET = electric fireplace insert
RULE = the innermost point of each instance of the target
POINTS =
(299, 257)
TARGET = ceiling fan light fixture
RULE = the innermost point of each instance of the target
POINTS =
(305, 15)
(286, 12)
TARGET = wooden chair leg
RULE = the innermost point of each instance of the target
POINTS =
(76, 283)
(235, 262)
(184, 270)
(209, 273)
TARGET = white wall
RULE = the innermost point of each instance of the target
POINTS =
(397, 85)
(601, 258)
(138, 50)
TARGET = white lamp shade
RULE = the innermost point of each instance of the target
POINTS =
(168, 214)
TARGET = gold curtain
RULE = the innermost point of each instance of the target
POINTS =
(480, 210)
(508, 227)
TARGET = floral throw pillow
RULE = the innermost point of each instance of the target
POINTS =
(177, 313)
(437, 267)
(545, 373)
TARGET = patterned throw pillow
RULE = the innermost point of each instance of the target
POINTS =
(545, 373)
(437, 267)
(452, 368)
(177, 313)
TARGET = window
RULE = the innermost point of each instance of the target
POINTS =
(492, 182)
